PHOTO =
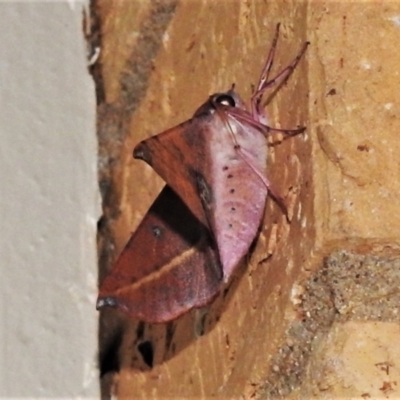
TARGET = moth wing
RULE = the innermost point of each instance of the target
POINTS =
(178, 156)
(214, 162)
(169, 266)
(238, 160)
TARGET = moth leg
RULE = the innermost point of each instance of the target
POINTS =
(265, 128)
(272, 192)
(289, 132)
(279, 79)
(280, 201)
(224, 118)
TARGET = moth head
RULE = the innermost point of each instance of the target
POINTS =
(225, 99)
(229, 98)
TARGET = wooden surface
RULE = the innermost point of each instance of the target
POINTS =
(159, 61)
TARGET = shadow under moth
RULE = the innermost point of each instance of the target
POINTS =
(208, 214)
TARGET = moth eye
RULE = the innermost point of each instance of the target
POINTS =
(225, 100)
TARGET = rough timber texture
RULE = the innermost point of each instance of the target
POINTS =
(312, 290)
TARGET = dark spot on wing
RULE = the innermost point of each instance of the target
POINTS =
(156, 231)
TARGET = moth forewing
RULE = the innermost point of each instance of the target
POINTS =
(238, 156)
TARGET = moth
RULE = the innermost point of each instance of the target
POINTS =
(204, 220)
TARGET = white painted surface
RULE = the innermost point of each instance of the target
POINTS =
(49, 204)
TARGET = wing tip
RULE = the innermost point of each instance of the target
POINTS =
(106, 302)
(140, 152)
